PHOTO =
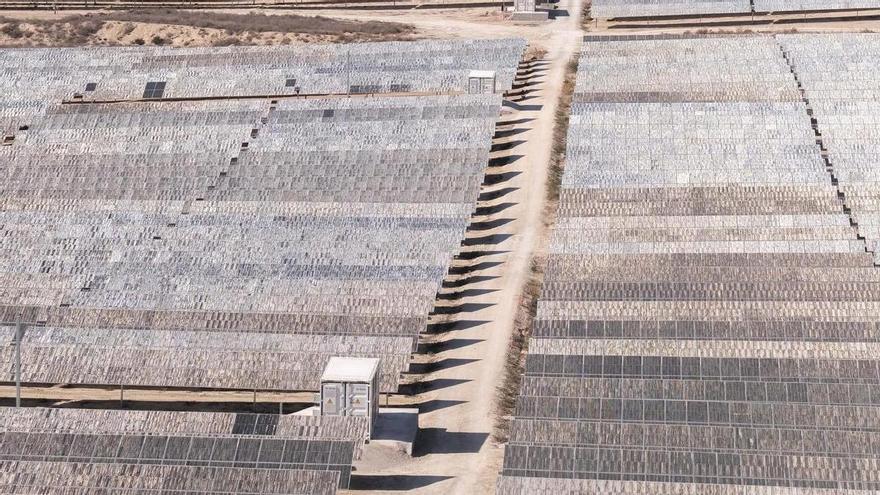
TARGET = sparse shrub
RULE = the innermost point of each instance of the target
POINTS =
(226, 42)
(138, 41)
(82, 30)
(13, 30)
(560, 130)
(158, 40)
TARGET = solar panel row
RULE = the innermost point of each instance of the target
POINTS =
(72, 478)
(66, 448)
(657, 8)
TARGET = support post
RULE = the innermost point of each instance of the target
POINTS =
(19, 331)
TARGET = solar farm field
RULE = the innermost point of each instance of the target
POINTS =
(170, 220)
(707, 323)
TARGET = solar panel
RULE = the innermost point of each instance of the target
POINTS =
(154, 90)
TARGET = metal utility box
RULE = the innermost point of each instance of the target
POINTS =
(481, 82)
(350, 387)
(524, 5)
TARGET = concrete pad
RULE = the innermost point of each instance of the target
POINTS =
(309, 411)
(538, 16)
(396, 428)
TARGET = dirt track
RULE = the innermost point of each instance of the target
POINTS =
(455, 453)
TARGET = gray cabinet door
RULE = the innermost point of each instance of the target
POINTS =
(333, 399)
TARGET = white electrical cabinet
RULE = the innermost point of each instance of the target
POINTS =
(481, 82)
(350, 387)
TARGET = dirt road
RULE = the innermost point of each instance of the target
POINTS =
(455, 453)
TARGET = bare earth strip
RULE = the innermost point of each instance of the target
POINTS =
(456, 453)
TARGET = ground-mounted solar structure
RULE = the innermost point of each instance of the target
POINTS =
(650, 8)
(623, 9)
(708, 321)
(235, 242)
(813, 5)
(84, 451)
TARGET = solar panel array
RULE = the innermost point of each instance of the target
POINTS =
(32, 78)
(52, 450)
(841, 79)
(607, 9)
(797, 5)
(708, 321)
(235, 243)
(647, 8)
(59, 478)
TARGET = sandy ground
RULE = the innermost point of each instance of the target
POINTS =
(137, 33)
(435, 24)
(38, 32)
(455, 453)
(454, 23)
(69, 394)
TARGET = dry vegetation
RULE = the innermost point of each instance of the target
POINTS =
(587, 15)
(534, 53)
(189, 28)
(560, 133)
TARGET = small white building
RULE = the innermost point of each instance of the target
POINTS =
(350, 387)
(526, 10)
(481, 82)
